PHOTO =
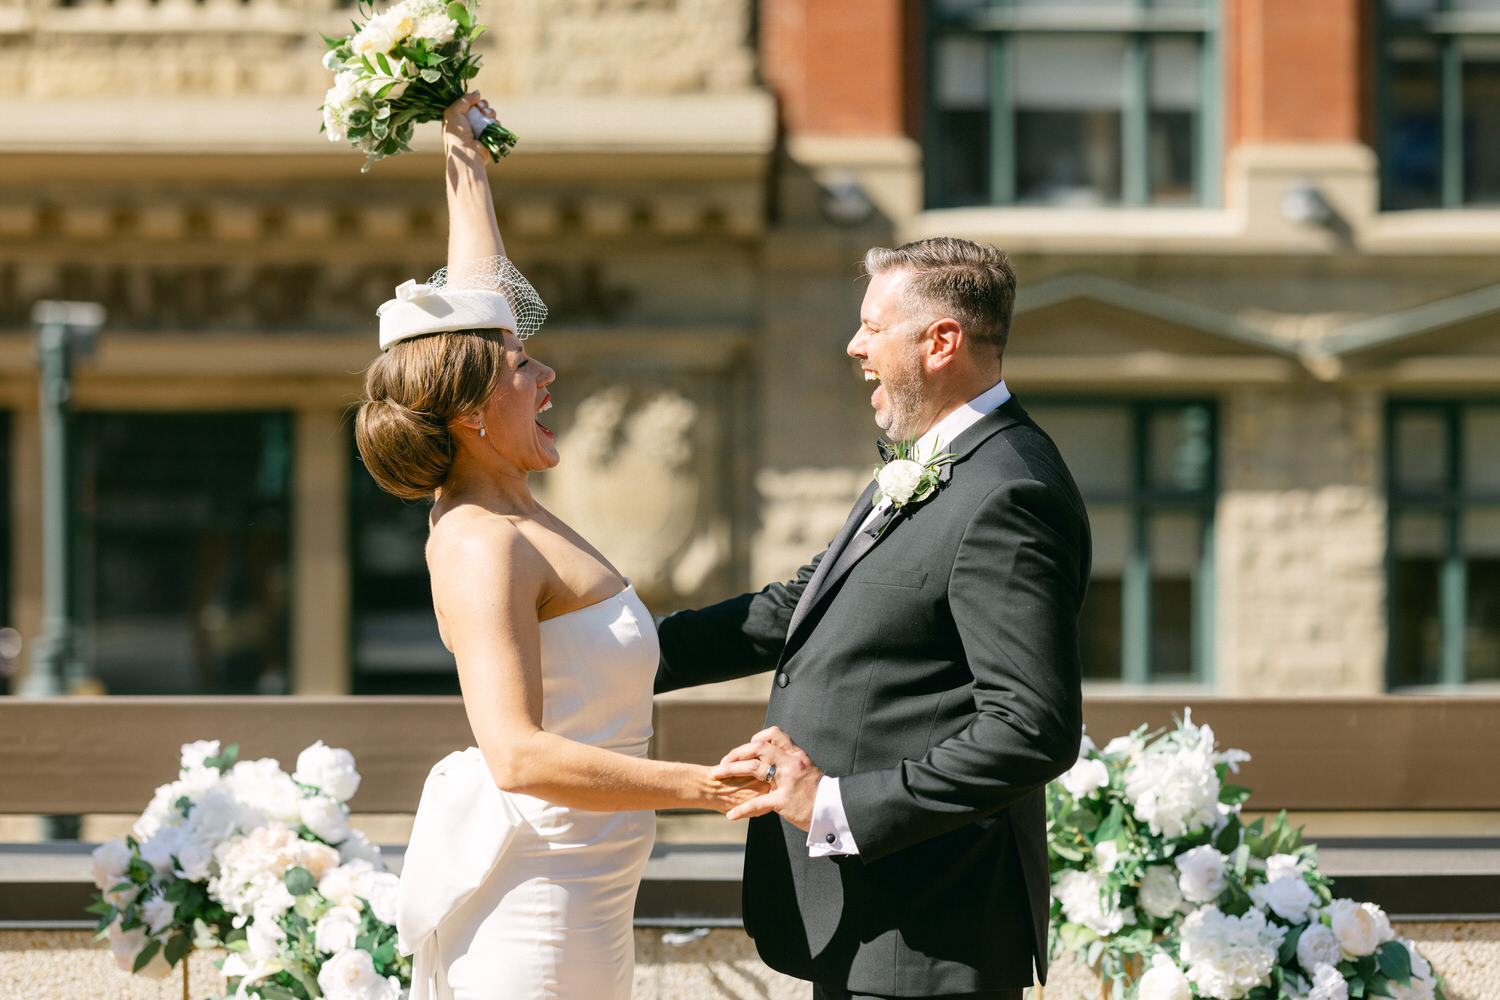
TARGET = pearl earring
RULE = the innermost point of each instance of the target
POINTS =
(481, 430)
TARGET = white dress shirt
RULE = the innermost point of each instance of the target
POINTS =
(829, 833)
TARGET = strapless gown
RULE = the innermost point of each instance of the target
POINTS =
(509, 897)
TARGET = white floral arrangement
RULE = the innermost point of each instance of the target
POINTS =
(1158, 885)
(240, 855)
(903, 480)
(400, 68)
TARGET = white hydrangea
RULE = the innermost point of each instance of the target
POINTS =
(1086, 776)
(111, 863)
(1174, 787)
(1328, 984)
(251, 868)
(1082, 897)
(1227, 956)
(328, 769)
(1202, 874)
(1159, 894)
(158, 913)
(262, 785)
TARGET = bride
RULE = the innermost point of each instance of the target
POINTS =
(526, 853)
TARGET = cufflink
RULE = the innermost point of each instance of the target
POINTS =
(831, 838)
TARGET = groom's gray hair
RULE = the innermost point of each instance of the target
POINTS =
(949, 277)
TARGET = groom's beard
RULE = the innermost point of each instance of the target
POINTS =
(905, 397)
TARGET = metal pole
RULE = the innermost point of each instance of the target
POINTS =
(63, 329)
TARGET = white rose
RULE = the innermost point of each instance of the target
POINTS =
(1282, 866)
(263, 786)
(1106, 855)
(1289, 898)
(381, 891)
(126, 945)
(337, 930)
(159, 850)
(111, 862)
(1355, 927)
(1081, 895)
(351, 975)
(343, 885)
(194, 754)
(898, 479)
(1164, 981)
(1383, 931)
(327, 819)
(1328, 984)
(1318, 946)
(1202, 874)
(1085, 777)
(329, 769)
(158, 914)
(161, 810)
(1121, 745)
(1175, 789)
(1159, 894)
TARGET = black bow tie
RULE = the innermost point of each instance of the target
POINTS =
(886, 451)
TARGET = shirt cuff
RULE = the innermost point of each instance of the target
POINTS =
(829, 833)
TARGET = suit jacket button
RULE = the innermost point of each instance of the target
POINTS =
(830, 838)
(782, 680)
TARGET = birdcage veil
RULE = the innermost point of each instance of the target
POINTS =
(497, 274)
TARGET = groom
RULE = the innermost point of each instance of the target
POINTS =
(927, 671)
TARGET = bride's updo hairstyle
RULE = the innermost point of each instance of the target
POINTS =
(412, 392)
(443, 353)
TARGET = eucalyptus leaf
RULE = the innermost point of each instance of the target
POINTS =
(1395, 961)
(146, 955)
(299, 881)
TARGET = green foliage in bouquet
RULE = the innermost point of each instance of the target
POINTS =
(1159, 886)
(400, 68)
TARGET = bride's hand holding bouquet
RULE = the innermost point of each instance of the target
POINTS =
(402, 67)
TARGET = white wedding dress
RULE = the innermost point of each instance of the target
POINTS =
(509, 897)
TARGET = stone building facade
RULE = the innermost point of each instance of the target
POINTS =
(1257, 243)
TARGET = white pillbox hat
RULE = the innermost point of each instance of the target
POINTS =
(420, 309)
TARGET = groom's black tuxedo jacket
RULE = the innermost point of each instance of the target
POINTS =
(935, 671)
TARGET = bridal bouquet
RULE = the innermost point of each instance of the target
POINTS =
(1158, 885)
(400, 68)
(242, 856)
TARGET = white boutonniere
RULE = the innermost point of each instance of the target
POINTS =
(904, 481)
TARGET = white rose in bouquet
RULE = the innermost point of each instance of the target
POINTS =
(1318, 946)
(1289, 897)
(357, 847)
(326, 818)
(1125, 746)
(328, 769)
(1328, 984)
(351, 975)
(261, 786)
(1163, 981)
(1081, 895)
(1227, 956)
(1085, 777)
(111, 863)
(1357, 928)
(1202, 874)
(344, 885)
(337, 930)
(382, 893)
(161, 811)
(1159, 894)
(126, 945)
(158, 914)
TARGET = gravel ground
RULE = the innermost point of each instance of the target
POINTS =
(670, 965)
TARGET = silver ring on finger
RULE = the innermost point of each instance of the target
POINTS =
(770, 777)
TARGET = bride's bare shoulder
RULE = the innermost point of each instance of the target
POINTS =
(471, 540)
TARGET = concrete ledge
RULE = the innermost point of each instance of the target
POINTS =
(698, 885)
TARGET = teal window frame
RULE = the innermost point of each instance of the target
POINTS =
(1451, 502)
(1139, 22)
(1448, 28)
(1141, 502)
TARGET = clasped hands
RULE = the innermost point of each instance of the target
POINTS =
(774, 761)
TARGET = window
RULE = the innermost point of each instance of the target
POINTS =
(1147, 471)
(1440, 103)
(397, 649)
(181, 551)
(1443, 473)
(1088, 102)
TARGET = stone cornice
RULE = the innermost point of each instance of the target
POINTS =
(738, 123)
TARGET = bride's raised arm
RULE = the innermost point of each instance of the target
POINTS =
(473, 232)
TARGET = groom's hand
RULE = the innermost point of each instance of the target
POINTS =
(794, 785)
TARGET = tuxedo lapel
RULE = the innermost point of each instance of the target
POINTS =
(835, 550)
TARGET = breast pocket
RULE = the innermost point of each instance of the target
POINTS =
(885, 577)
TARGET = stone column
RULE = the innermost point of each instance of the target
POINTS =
(320, 558)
